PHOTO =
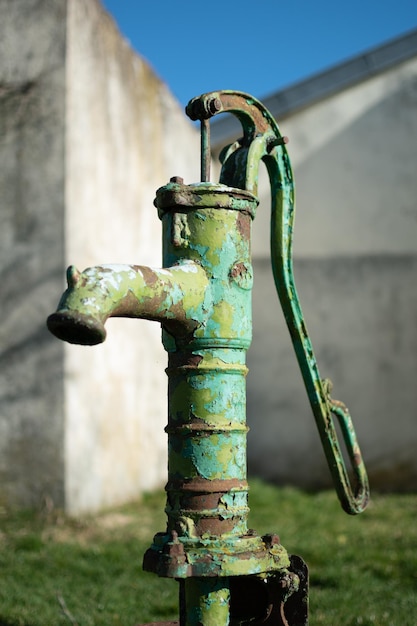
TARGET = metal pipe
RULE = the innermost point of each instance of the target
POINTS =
(206, 601)
(174, 296)
(205, 150)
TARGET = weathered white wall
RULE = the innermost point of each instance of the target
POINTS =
(125, 131)
(355, 245)
(32, 205)
(82, 426)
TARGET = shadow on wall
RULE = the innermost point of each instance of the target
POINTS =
(361, 315)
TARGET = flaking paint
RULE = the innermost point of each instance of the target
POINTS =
(202, 299)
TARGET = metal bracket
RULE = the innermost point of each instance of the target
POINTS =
(277, 599)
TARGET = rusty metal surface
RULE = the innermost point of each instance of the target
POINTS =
(228, 575)
(278, 599)
(172, 556)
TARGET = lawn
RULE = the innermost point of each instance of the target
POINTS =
(59, 571)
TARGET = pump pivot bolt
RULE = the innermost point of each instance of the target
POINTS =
(203, 108)
(214, 105)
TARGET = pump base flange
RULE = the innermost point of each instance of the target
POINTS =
(172, 557)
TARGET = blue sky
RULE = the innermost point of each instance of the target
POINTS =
(256, 46)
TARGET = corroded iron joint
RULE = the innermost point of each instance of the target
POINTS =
(202, 107)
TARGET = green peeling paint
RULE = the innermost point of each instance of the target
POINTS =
(202, 298)
(207, 601)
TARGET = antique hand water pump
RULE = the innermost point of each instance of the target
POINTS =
(228, 574)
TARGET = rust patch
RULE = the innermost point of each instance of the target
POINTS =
(127, 307)
(214, 526)
(151, 277)
(201, 501)
(184, 359)
(239, 269)
(243, 224)
(205, 485)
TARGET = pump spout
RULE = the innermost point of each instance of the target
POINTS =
(172, 296)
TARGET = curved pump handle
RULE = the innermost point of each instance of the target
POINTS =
(240, 159)
(262, 141)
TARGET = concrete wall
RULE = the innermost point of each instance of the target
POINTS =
(89, 134)
(32, 206)
(354, 158)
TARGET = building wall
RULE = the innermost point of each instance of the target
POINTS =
(355, 246)
(91, 133)
(125, 131)
(88, 133)
(32, 204)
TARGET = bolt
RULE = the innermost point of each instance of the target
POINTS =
(276, 141)
(202, 108)
(271, 540)
(177, 179)
(214, 105)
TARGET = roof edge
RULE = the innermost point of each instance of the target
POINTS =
(328, 82)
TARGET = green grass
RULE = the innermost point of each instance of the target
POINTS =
(59, 571)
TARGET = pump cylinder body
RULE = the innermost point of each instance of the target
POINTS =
(207, 491)
(207, 488)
